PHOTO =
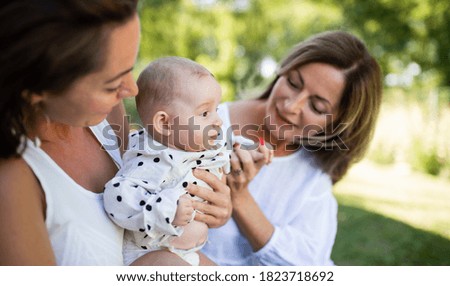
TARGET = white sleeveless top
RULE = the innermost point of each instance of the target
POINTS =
(79, 229)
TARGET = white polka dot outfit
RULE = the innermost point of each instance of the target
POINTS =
(143, 196)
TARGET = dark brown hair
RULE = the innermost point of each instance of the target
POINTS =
(45, 46)
(360, 103)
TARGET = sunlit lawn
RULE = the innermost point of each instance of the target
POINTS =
(392, 216)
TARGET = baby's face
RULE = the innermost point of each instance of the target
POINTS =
(195, 122)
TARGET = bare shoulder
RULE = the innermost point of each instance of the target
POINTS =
(237, 109)
(15, 173)
(19, 186)
(23, 235)
(243, 111)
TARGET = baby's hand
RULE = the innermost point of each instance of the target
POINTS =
(185, 211)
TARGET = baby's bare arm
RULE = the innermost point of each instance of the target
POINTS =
(184, 211)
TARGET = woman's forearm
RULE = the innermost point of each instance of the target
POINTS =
(251, 220)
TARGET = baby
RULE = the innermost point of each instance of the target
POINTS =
(177, 102)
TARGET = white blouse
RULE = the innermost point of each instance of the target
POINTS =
(297, 199)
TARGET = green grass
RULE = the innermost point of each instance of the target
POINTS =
(415, 132)
(391, 216)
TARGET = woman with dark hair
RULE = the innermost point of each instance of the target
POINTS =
(65, 66)
(318, 114)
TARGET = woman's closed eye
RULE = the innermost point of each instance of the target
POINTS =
(293, 83)
(317, 108)
(114, 89)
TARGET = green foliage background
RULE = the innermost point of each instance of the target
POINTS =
(392, 212)
(232, 37)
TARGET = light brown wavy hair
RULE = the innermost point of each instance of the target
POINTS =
(346, 138)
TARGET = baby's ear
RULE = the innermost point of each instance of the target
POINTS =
(161, 123)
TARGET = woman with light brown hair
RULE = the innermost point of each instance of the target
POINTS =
(65, 67)
(318, 114)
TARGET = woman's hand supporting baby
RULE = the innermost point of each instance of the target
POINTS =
(216, 209)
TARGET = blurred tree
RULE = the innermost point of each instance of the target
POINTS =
(234, 37)
(230, 37)
(406, 30)
(187, 29)
(270, 28)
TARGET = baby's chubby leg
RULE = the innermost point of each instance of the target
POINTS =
(167, 258)
(160, 258)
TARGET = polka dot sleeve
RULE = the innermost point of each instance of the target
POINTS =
(134, 206)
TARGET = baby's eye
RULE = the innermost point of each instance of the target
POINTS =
(204, 114)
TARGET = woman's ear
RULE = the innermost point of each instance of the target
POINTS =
(33, 98)
(161, 123)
